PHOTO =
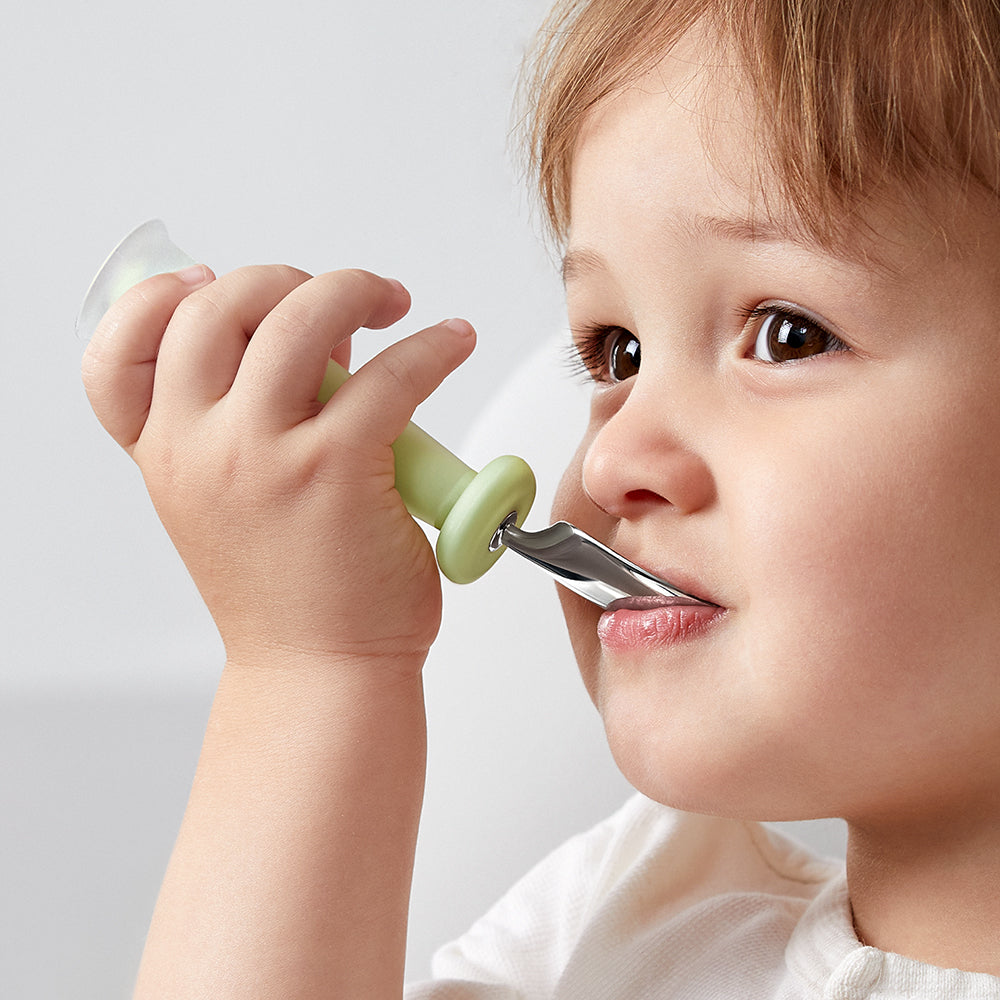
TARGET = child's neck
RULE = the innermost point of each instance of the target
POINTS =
(930, 890)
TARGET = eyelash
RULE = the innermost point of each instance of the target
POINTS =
(587, 355)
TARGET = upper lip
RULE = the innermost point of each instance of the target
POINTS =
(657, 601)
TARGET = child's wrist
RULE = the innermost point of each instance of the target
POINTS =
(354, 670)
(315, 714)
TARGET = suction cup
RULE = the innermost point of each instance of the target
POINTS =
(146, 251)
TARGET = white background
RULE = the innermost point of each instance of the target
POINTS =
(321, 134)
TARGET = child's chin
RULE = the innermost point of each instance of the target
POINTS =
(702, 774)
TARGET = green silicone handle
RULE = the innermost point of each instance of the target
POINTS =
(441, 490)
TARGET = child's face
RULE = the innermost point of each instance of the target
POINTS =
(842, 508)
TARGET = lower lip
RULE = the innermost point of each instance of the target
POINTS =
(642, 628)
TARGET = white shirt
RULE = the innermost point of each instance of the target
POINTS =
(655, 903)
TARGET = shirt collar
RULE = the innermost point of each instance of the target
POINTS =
(826, 955)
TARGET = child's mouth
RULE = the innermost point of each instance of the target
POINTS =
(641, 622)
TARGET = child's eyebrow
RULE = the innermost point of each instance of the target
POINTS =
(580, 262)
(694, 227)
(744, 229)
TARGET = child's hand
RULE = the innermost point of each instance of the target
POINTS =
(283, 510)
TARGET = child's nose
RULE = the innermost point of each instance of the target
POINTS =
(638, 460)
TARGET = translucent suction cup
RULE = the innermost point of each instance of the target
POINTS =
(146, 251)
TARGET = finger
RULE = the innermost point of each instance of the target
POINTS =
(208, 334)
(375, 405)
(120, 360)
(284, 364)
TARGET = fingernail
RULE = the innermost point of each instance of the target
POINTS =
(398, 285)
(461, 326)
(196, 274)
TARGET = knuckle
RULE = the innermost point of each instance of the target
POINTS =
(200, 308)
(292, 275)
(293, 318)
(356, 282)
(157, 295)
(358, 276)
(400, 375)
(279, 274)
(352, 290)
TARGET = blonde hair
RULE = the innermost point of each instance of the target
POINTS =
(854, 97)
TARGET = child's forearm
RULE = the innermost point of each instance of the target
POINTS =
(291, 873)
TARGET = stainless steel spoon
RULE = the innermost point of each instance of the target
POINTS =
(581, 563)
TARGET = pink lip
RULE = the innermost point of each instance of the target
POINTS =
(642, 623)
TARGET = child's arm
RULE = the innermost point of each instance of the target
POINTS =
(291, 872)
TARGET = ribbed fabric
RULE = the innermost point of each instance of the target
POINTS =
(655, 904)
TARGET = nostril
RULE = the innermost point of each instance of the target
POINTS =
(642, 497)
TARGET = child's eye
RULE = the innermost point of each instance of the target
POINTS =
(788, 336)
(624, 355)
(608, 353)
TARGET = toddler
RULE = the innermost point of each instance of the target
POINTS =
(781, 226)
